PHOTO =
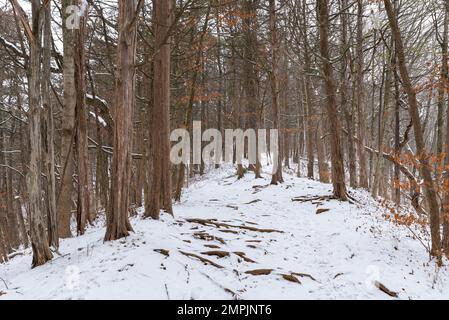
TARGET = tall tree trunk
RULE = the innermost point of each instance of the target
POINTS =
(64, 200)
(160, 195)
(38, 233)
(311, 123)
(49, 149)
(347, 112)
(363, 178)
(3, 250)
(7, 228)
(338, 174)
(221, 101)
(82, 145)
(250, 72)
(378, 159)
(423, 156)
(396, 191)
(444, 86)
(274, 81)
(118, 225)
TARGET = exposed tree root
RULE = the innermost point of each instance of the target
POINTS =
(259, 272)
(291, 278)
(208, 222)
(322, 210)
(228, 231)
(254, 201)
(259, 188)
(162, 251)
(385, 290)
(227, 290)
(304, 275)
(244, 257)
(202, 259)
(207, 237)
(303, 199)
(212, 246)
(253, 223)
(217, 253)
(16, 254)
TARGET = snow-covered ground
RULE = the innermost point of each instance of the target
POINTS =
(337, 254)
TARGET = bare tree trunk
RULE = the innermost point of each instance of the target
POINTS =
(311, 123)
(82, 145)
(377, 176)
(274, 81)
(9, 240)
(323, 167)
(344, 97)
(250, 72)
(338, 175)
(160, 195)
(425, 171)
(442, 88)
(3, 250)
(38, 234)
(49, 149)
(118, 225)
(221, 101)
(443, 85)
(64, 200)
(363, 178)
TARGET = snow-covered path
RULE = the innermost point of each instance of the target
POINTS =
(337, 254)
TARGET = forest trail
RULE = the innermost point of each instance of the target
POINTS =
(254, 242)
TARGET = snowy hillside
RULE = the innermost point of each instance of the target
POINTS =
(270, 246)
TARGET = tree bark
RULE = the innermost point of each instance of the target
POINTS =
(338, 175)
(49, 149)
(82, 145)
(363, 178)
(250, 72)
(38, 234)
(64, 200)
(118, 225)
(276, 177)
(347, 112)
(160, 194)
(444, 85)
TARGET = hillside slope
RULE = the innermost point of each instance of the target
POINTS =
(339, 253)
